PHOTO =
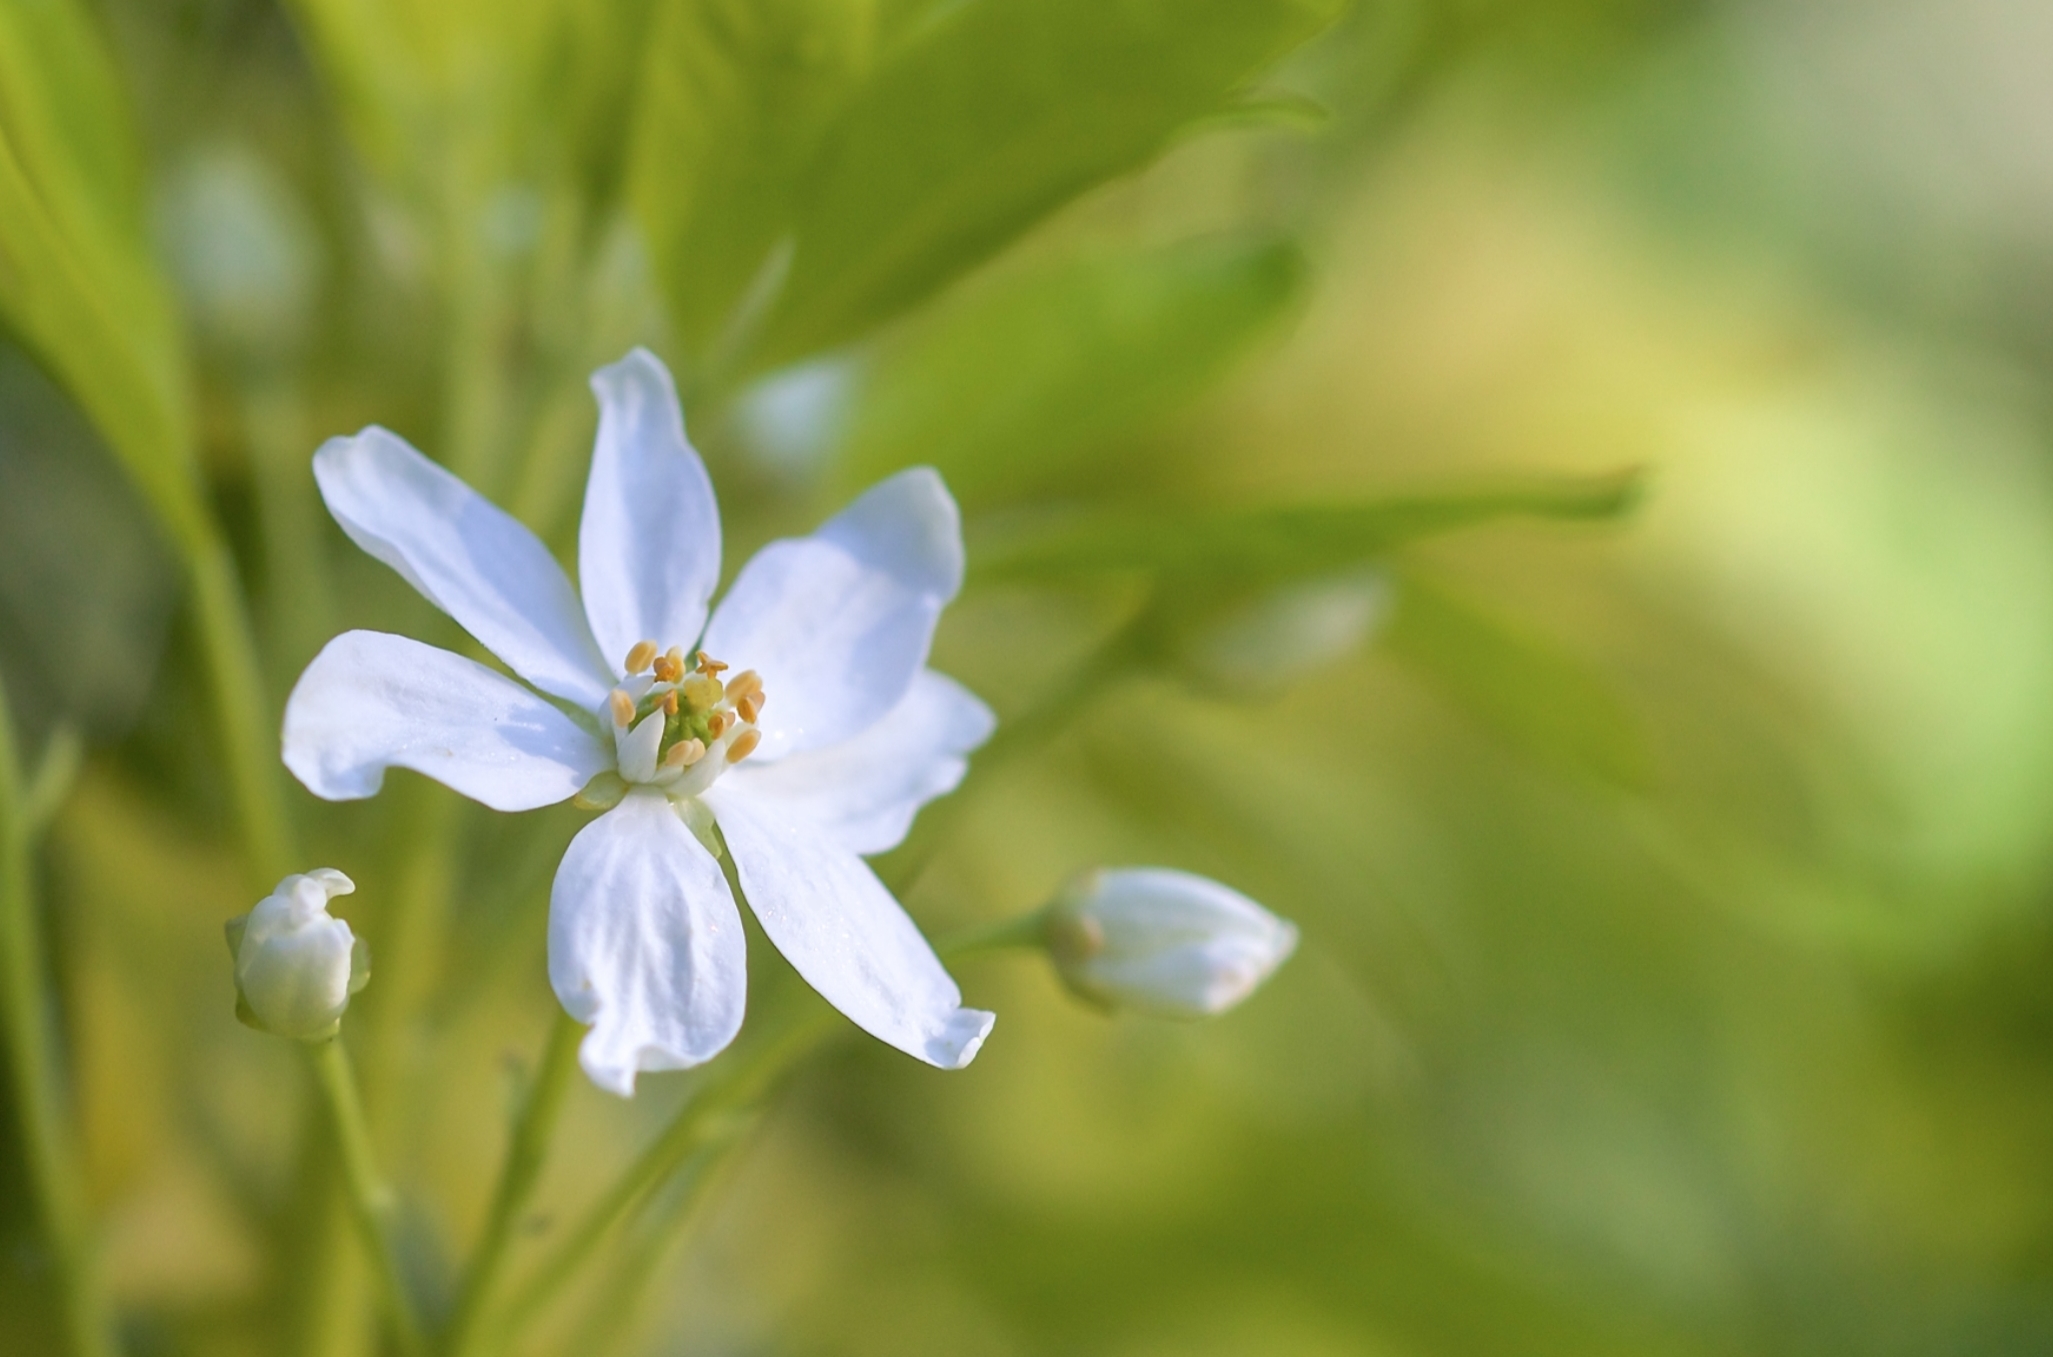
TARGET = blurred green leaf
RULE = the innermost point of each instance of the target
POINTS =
(1533, 693)
(1018, 382)
(85, 590)
(737, 93)
(76, 282)
(1278, 542)
(995, 114)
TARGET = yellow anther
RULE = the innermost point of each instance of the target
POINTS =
(742, 684)
(701, 691)
(684, 754)
(669, 668)
(638, 658)
(709, 665)
(622, 707)
(668, 702)
(744, 745)
(716, 724)
(748, 706)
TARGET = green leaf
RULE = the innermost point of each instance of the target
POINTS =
(86, 591)
(735, 96)
(1278, 542)
(1018, 382)
(990, 118)
(76, 281)
(1530, 691)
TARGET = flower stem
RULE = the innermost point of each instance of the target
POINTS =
(524, 1160)
(706, 1117)
(249, 741)
(1028, 930)
(1112, 661)
(370, 1198)
(610, 1320)
(55, 1178)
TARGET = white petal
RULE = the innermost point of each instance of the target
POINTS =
(864, 792)
(840, 929)
(648, 550)
(838, 623)
(371, 701)
(645, 944)
(467, 556)
(637, 748)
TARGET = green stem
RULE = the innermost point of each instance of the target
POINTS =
(1030, 730)
(610, 1321)
(1028, 930)
(298, 614)
(703, 1119)
(236, 677)
(523, 1169)
(56, 1180)
(371, 1199)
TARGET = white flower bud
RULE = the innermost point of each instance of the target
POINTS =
(1163, 942)
(296, 967)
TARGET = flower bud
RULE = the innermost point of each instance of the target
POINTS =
(1163, 942)
(296, 967)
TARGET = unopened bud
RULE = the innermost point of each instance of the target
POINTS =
(1163, 942)
(295, 966)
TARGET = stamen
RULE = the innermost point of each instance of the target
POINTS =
(622, 707)
(684, 754)
(744, 745)
(638, 658)
(742, 684)
(748, 705)
(702, 691)
(670, 667)
(709, 665)
(668, 702)
(716, 724)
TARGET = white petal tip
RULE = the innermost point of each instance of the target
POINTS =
(959, 1039)
(616, 1070)
(612, 1078)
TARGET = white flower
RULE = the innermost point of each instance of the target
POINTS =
(1163, 942)
(845, 730)
(295, 967)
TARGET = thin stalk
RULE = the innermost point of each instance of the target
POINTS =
(1030, 730)
(249, 740)
(371, 1199)
(523, 1169)
(1028, 930)
(55, 1178)
(701, 1120)
(611, 1319)
(299, 604)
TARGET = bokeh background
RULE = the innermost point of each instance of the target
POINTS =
(1674, 884)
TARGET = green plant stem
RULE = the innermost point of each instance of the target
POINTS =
(523, 1169)
(371, 1199)
(706, 1113)
(1027, 930)
(249, 740)
(610, 1320)
(299, 609)
(55, 1178)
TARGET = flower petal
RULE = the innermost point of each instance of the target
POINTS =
(838, 623)
(467, 556)
(645, 944)
(371, 701)
(864, 792)
(648, 550)
(840, 929)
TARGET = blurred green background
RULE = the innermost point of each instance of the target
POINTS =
(1673, 883)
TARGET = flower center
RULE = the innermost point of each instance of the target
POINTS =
(679, 728)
